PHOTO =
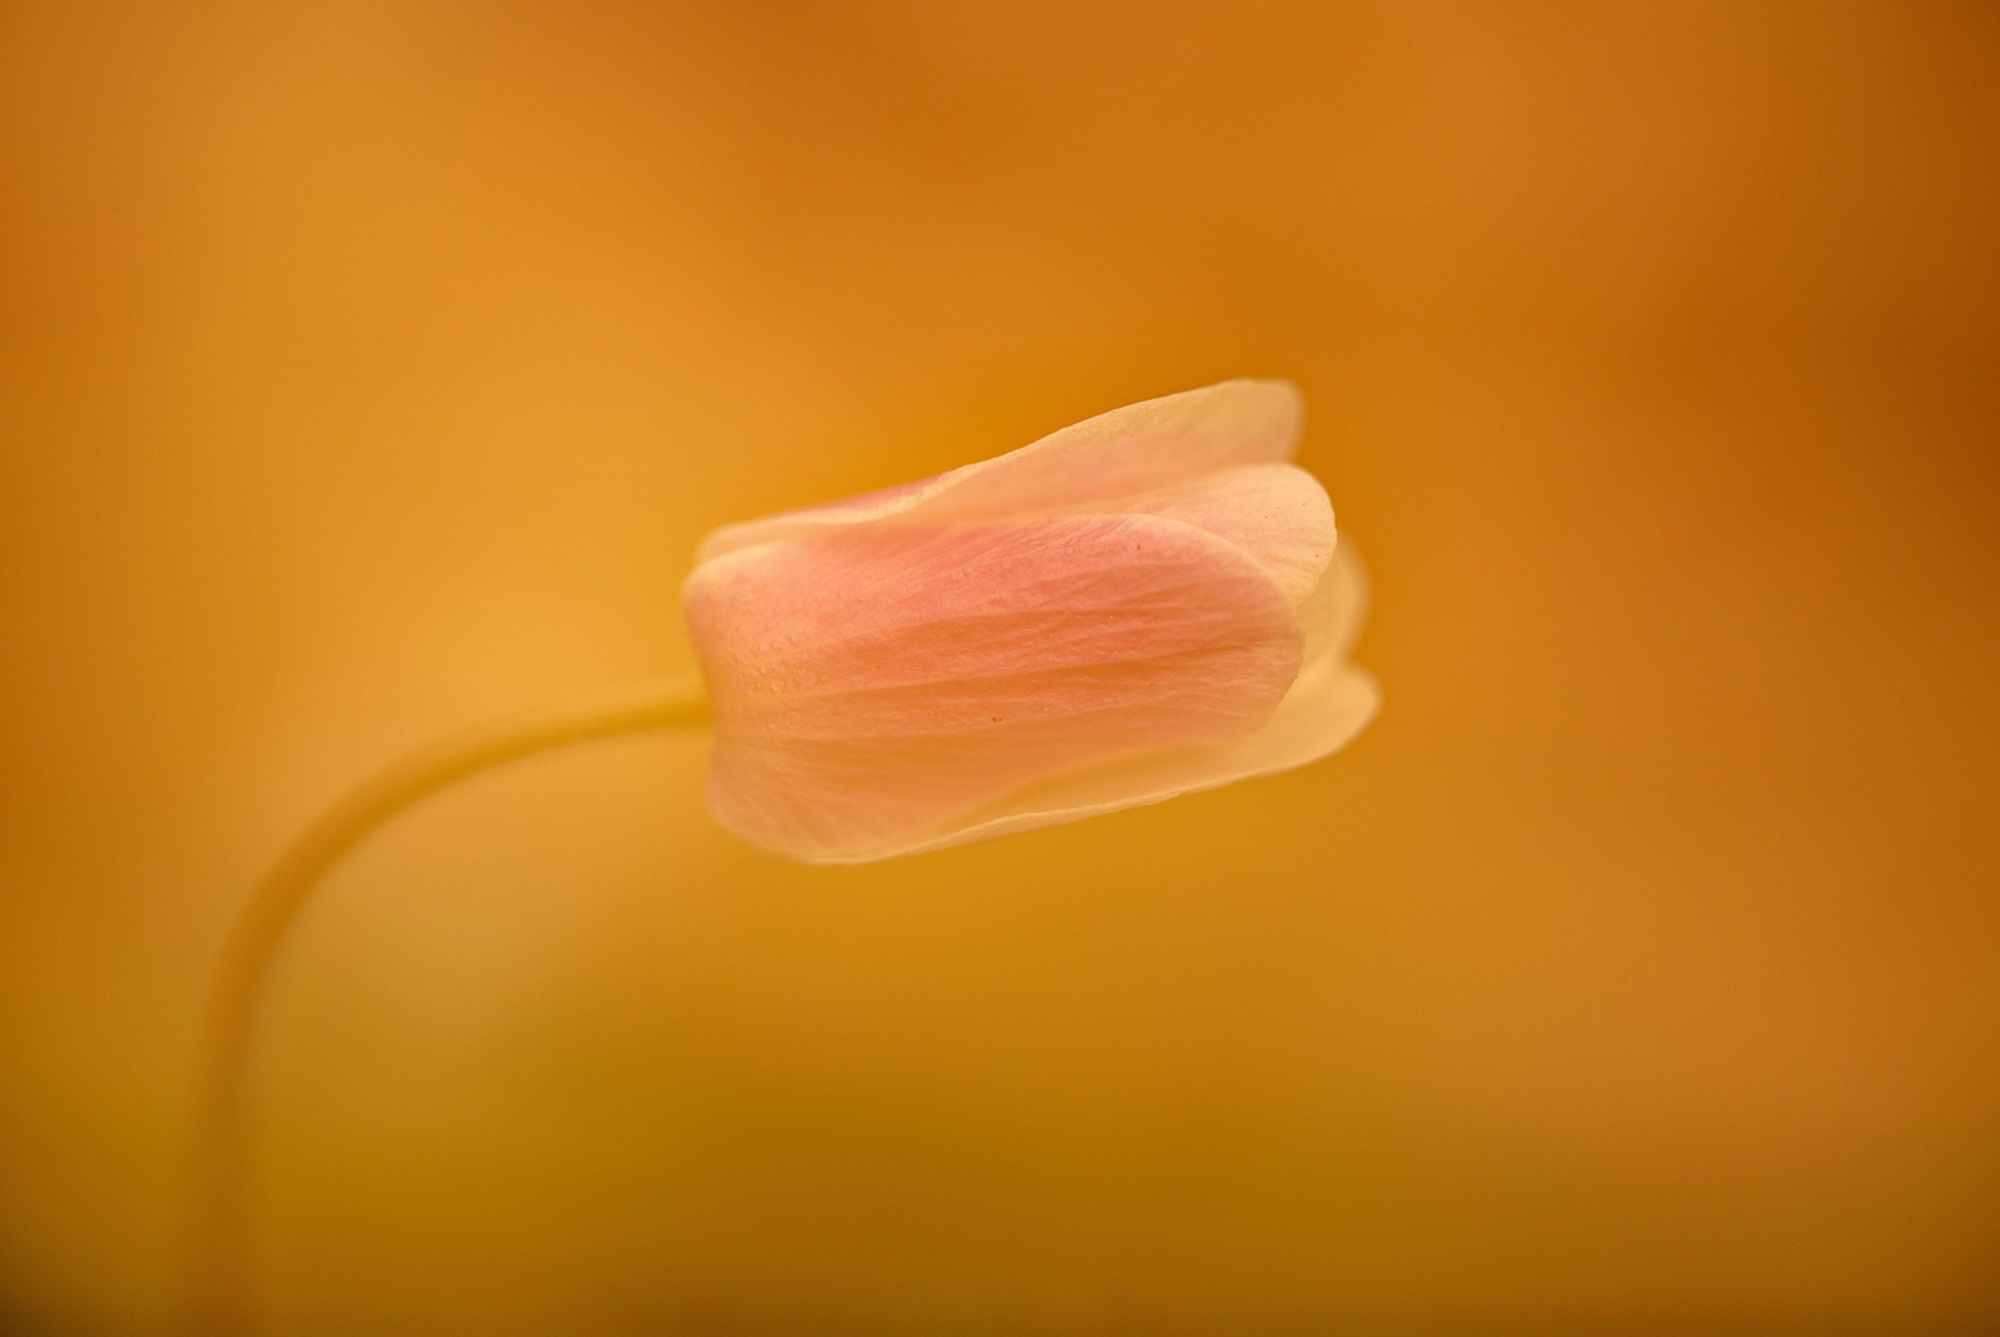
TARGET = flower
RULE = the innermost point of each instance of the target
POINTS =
(1147, 603)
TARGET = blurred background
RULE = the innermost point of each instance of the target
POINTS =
(373, 370)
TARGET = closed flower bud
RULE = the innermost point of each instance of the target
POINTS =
(1146, 603)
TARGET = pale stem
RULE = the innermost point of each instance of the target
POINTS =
(223, 1290)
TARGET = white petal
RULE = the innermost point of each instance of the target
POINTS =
(1139, 448)
(1277, 513)
(1332, 614)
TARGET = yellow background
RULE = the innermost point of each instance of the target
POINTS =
(371, 371)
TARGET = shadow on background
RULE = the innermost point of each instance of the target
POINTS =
(370, 371)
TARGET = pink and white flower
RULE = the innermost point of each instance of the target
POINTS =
(1144, 604)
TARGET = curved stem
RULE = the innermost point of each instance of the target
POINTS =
(221, 1302)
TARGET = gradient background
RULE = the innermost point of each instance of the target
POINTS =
(371, 371)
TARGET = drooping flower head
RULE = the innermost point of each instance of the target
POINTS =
(1146, 603)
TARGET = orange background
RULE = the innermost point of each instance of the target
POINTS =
(371, 371)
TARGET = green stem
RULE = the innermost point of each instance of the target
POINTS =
(223, 1291)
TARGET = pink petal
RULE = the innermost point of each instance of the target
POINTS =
(1331, 702)
(1135, 449)
(875, 686)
